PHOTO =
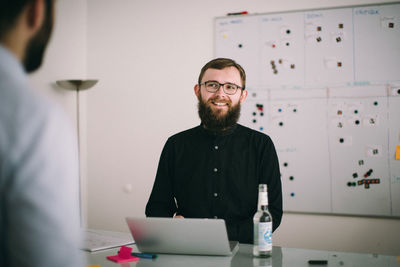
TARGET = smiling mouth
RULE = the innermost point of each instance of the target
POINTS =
(219, 104)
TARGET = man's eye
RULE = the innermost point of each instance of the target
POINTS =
(230, 86)
(212, 85)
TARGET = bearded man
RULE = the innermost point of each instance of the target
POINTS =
(213, 170)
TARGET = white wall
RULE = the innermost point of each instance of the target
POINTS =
(147, 55)
(66, 58)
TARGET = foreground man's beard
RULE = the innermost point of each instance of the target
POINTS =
(215, 122)
(37, 45)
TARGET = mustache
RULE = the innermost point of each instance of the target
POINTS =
(221, 100)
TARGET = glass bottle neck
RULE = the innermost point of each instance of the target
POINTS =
(262, 200)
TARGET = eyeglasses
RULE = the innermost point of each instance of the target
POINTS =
(213, 87)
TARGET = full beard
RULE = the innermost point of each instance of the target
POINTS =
(214, 120)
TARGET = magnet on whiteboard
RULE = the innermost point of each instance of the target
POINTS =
(349, 184)
(373, 150)
(354, 121)
(387, 22)
(338, 39)
(371, 121)
(355, 107)
(270, 44)
(345, 140)
(337, 123)
(285, 30)
(361, 162)
(224, 33)
(368, 173)
(319, 39)
(395, 91)
(340, 25)
(319, 28)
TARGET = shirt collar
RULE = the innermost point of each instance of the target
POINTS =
(218, 133)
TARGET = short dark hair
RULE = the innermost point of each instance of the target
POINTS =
(222, 63)
(9, 12)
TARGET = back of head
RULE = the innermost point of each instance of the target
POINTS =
(9, 12)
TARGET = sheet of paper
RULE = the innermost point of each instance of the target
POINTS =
(98, 240)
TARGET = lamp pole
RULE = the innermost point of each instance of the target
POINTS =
(77, 86)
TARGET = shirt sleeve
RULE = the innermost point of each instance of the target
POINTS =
(270, 174)
(41, 193)
(161, 202)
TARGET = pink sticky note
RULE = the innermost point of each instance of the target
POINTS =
(124, 255)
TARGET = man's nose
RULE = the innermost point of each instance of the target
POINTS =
(220, 90)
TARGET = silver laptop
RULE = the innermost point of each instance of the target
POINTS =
(181, 236)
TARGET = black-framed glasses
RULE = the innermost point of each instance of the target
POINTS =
(213, 87)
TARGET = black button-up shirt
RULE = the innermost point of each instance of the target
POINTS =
(202, 174)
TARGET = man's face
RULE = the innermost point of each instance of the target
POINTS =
(37, 45)
(220, 110)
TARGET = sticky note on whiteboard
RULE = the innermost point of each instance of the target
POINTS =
(397, 152)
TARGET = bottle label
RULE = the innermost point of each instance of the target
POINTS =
(265, 236)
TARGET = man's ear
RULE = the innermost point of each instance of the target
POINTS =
(197, 90)
(35, 11)
(243, 96)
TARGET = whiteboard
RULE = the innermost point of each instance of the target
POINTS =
(325, 85)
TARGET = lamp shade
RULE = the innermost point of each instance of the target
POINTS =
(76, 84)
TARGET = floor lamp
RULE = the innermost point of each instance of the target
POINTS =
(77, 85)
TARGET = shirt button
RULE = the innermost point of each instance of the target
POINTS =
(215, 169)
(215, 194)
(216, 147)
